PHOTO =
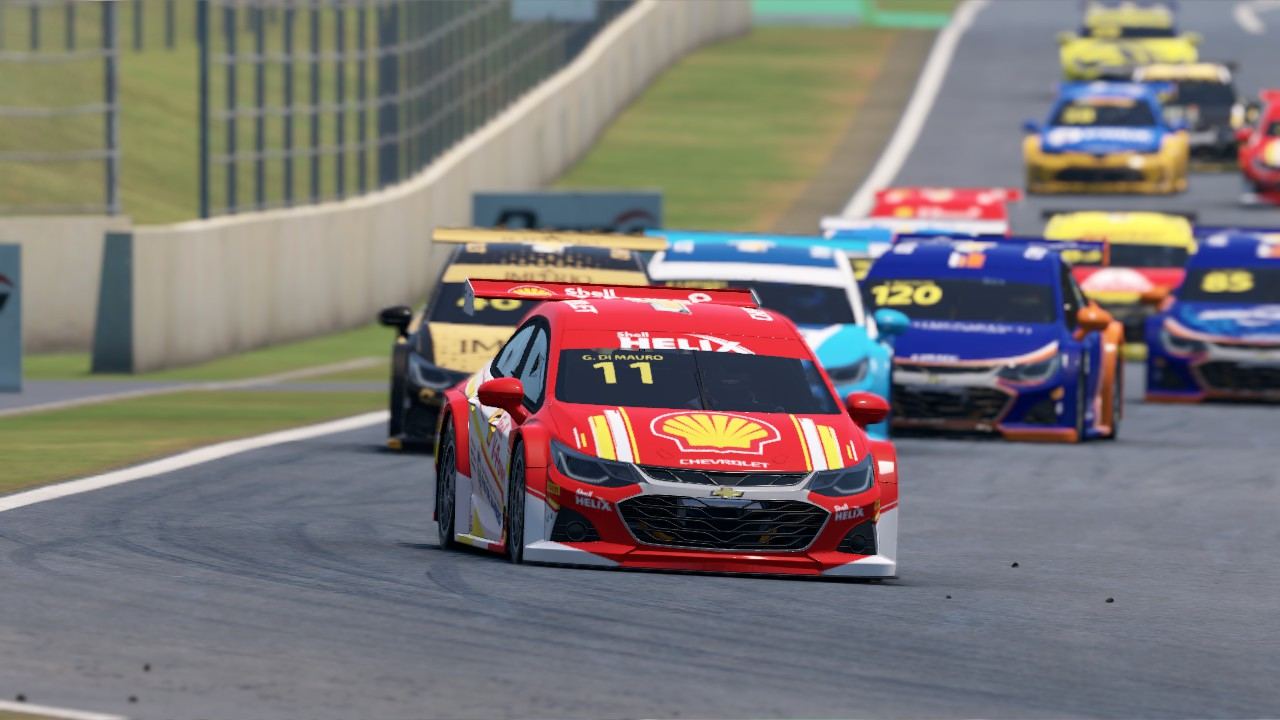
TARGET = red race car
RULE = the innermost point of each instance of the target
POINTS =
(663, 428)
(926, 203)
(1260, 150)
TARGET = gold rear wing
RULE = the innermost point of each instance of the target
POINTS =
(641, 243)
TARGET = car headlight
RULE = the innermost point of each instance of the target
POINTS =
(1032, 372)
(431, 376)
(1179, 345)
(593, 470)
(851, 373)
(854, 479)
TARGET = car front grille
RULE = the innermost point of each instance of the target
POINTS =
(913, 402)
(715, 524)
(1099, 175)
(733, 479)
(1230, 376)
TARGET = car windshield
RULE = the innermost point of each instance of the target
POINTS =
(1132, 32)
(693, 380)
(1104, 112)
(1148, 256)
(450, 307)
(984, 299)
(1255, 285)
(1205, 94)
(806, 304)
(1273, 130)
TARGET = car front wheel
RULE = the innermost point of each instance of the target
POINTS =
(446, 488)
(515, 506)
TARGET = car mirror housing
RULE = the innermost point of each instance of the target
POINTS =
(1065, 37)
(866, 408)
(1155, 295)
(1093, 318)
(1031, 127)
(891, 323)
(505, 394)
(398, 317)
(1243, 134)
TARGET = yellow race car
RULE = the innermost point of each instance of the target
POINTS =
(1104, 137)
(1144, 259)
(1115, 38)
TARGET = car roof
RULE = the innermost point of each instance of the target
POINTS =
(960, 260)
(1234, 249)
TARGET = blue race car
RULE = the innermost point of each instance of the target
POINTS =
(1001, 340)
(1106, 137)
(1219, 335)
(810, 281)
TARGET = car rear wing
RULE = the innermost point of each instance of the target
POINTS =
(640, 243)
(1203, 232)
(1050, 213)
(838, 227)
(548, 291)
(859, 245)
(1074, 252)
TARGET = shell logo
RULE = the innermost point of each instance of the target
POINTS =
(531, 291)
(715, 432)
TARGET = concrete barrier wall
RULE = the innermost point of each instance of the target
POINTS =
(62, 262)
(209, 288)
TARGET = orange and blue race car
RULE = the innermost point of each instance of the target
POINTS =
(663, 428)
(1218, 335)
(1001, 340)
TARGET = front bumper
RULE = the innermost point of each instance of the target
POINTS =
(1115, 173)
(1221, 372)
(612, 539)
(977, 400)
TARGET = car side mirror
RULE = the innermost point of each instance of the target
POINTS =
(398, 317)
(505, 393)
(1155, 295)
(1194, 38)
(1093, 318)
(891, 323)
(1065, 37)
(1178, 125)
(866, 408)
(1030, 127)
(1243, 134)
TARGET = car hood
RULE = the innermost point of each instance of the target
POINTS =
(944, 341)
(709, 440)
(1100, 140)
(1258, 323)
(838, 345)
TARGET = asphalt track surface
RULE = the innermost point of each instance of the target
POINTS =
(304, 580)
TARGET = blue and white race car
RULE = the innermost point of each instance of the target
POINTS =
(1218, 337)
(1001, 340)
(1106, 137)
(810, 281)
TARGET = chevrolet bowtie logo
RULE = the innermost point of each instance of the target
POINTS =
(726, 493)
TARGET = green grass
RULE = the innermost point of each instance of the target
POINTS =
(55, 445)
(368, 341)
(734, 132)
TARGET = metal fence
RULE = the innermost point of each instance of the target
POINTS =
(314, 100)
(59, 107)
(294, 102)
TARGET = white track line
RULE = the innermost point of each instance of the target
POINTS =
(262, 380)
(55, 712)
(1246, 14)
(188, 459)
(912, 122)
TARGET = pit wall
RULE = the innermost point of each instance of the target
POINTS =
(199, 290)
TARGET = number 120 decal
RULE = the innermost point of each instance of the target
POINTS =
(898, 292)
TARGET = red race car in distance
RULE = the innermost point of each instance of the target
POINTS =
(1259, 153)
(663, 428)
(989, 205)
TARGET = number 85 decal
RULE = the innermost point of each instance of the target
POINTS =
(906, 293)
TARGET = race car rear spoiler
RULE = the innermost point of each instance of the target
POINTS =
(863, 244)
(1075, 252)
(548, 291)
(641, 243)
(1049, 213)
(836, 227)
(1205, 231)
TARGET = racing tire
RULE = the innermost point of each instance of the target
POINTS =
(446, 488)
(1082, 382)
(514, 521)
(395, 425)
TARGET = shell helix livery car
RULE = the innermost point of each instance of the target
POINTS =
(1117, 37)
(1106, 137)
(1001, 340)
(810, 282)
(1259, 155)
(945, 203)
(664, 428)
(1144, 256)
(1218, 337)
(444, 343)
(1203, 97)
